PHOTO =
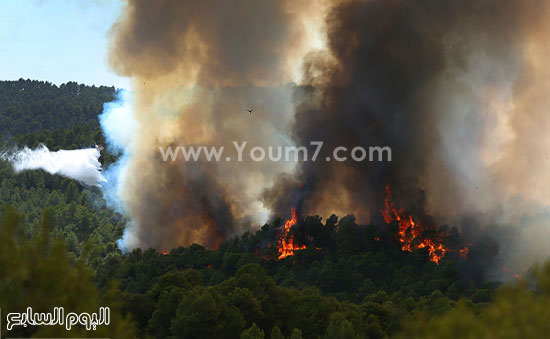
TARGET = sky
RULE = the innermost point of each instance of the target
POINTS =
(58, 41)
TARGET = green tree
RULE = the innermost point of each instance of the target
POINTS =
(339, 327)
(296, 334)
(40, 273)
(254, 332)
(519, 310)
(276, 333)
(203, 313)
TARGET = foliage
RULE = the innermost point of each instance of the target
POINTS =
(518, 310)
(38, 272)
(29, 105)
(68, 120)
(79, 213)
(351, 281)
(349, 289)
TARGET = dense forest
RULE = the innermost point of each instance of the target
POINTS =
(58, 248)
(28, 106)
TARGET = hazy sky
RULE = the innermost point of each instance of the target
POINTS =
(57, 40)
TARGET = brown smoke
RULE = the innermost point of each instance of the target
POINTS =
(196, 66)
(458, 89)
(455, 88)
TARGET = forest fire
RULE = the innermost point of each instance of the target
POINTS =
(287, 245)
(410, 232)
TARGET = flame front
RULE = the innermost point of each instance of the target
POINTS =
(287, 245)
(410, 232)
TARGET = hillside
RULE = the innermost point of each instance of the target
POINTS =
(58, 243)
(28, 106)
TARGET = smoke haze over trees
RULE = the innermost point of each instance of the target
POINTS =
(351, 279)
(442, 241)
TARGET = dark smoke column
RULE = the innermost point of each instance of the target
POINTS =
(414, 76)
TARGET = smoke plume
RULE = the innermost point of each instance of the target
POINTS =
(455, 88)
(458, 89)
(195, 68)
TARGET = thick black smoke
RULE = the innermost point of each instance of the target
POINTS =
(436, 81)
(457, 89)
(389, 82)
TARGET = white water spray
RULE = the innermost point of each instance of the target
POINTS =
(80, 164)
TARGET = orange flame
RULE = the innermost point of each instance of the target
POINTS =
(164, 252)
(287, 246)
(410, 232)
(508, 270)
(464, 251)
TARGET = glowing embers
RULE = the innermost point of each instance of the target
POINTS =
(508, 270)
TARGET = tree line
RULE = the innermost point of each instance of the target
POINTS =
(58, 248)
